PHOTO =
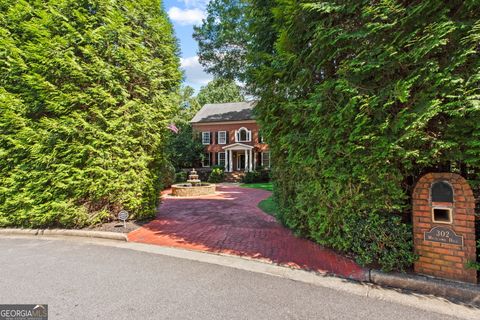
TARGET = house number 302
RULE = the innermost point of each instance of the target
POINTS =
(443, 233)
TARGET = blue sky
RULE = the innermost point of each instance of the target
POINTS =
(184, 14)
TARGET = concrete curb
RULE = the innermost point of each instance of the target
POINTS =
(462, 292)
(65, 232)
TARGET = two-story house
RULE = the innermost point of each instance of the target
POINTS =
(231, 136)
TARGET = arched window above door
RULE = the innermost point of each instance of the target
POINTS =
(243, 135)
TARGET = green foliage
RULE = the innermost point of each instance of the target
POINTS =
(87, 89)
(256, 176)
(269, 206)
(222, 38)
(217, 175)
(357, 100)
(168, 175)
(181, 176)
(183, 148)
(219, 91)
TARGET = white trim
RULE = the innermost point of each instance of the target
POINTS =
(237, 146)
(450, 214)
(225, 137)
(248, 135)
(209, 137)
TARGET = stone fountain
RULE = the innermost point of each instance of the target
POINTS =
(193, 178)
(193, 187)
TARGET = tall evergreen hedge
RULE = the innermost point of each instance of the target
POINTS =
(367, 97)
(86, 93)
(358, 99)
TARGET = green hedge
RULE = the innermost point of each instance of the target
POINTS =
(85, 98)
(357, 101)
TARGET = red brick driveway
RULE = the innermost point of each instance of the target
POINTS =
(230, 222)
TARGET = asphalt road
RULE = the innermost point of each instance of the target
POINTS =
(87, 281)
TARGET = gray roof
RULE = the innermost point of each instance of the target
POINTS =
(233, 111)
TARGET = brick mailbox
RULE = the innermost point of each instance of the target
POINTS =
(444, 226)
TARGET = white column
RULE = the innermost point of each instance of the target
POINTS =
(250, 160)
(230, 161)
(254, 161)
(246, 160)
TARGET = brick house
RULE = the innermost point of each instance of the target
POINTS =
(231, 137)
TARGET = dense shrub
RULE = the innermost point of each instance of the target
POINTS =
(357, 99)
(181, 176)
(168, 175)
(217, 175)
(86, 94)
(258, 175)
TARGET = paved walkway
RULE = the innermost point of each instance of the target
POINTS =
(230, 222)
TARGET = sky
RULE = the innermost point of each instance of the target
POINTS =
(184, 14)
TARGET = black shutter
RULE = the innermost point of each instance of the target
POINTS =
(211, 137)
(211, 158)
(216, 137)
(226, 137)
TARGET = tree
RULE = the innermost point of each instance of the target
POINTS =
(87, 89)
(184, 149)
(188, 104)
(357, 101)
(222, 38)
(220, 90)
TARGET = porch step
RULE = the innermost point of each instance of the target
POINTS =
(235, 176)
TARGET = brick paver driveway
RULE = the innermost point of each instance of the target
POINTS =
(230, 222)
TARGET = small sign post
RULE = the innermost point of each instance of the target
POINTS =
(123, 215)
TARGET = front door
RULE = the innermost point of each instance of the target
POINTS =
(241, 162)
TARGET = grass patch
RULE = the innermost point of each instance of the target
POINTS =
(269, 206)
(258, 185)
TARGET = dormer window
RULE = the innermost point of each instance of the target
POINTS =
(243, 135)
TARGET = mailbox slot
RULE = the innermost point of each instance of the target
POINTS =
(442, 215)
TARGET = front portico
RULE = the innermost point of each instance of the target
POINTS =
(239, 156)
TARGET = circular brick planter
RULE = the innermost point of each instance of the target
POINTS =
(186, 190)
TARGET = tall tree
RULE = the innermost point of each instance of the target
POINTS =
(220, 90)
(222, 38)
(87, 89)
(184, 149)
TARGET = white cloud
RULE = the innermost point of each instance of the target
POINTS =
(201, 4)
(186, 16)
(194, 74)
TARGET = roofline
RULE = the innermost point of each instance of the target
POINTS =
(237, 144)
(222, 122)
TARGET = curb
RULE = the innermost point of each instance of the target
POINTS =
(65, 232)
(463, 292)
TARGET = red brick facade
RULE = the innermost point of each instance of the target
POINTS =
(231, 127)
(438, 259)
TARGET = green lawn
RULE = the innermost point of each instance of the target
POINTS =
(268, 205)
(259, 185)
